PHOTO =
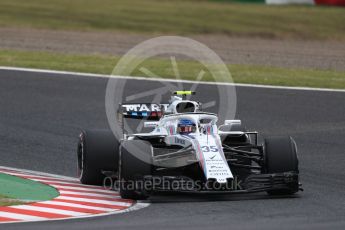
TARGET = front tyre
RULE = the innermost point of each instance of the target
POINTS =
(281, 156)
(135, 163)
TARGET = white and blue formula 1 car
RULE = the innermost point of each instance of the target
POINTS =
(186, 151)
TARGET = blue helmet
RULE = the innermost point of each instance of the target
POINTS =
(186, 126)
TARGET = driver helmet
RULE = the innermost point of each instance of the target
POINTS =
(186, 126)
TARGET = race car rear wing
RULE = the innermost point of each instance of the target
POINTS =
(147, 111)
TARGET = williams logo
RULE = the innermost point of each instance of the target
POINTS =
(180, 141)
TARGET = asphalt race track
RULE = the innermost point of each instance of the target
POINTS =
(41, 115)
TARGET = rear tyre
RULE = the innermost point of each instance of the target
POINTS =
(132, 169)
(281, 156)
(98, 150)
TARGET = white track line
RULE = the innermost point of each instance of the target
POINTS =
(166, 80)
(28, 176)
(37, 173)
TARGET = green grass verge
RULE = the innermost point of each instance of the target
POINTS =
(177, 17)
(6, 201)
(21, 189)
(162, 67)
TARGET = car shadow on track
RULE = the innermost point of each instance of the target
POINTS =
(178, 197)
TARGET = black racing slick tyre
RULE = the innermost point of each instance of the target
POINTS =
(281, 156)
(135, 163)
(98, 150)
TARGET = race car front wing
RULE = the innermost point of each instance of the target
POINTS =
(253, 183)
